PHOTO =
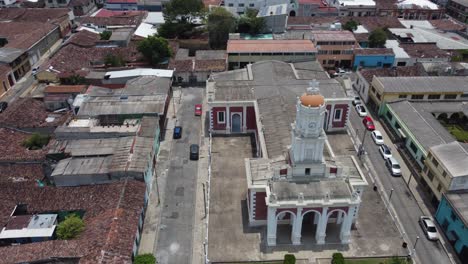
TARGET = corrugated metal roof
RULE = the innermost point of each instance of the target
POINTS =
(425, 84)
(268, 45)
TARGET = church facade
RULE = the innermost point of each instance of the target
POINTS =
(295, 180)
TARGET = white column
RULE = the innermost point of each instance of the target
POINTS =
(244, 119)
(271, 227)
(345, 233)
(297, 228)
(320, 234)
(339, 218)
(228, 120)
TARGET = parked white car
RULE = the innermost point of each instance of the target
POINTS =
(361, 110)
(428, 227)
(385, 151)
(357, 100)
(393, 165)
(377, 137)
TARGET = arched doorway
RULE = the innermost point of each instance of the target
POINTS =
(310, 220)
(292, 13)
(236, 123)
(285, 221)
(335, 219)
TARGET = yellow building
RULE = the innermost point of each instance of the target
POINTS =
(446, 168)
(387, 89)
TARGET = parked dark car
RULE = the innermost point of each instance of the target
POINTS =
(3, 106)
(177, 132)
(194, 149)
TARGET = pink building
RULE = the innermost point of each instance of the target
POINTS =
(262, 97)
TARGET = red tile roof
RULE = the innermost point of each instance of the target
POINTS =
(51, 15)
(210, 65)
(23, 35)
(72, 58)
(246, 46)
(121, 1)
(333, 35)
(111, 214)
(84, 38)
(402, 71)
(448, 24)
(372, 23)
(424, 50)
(12, 149)
(110, 13)
(21, 173)
(212, 2)
(65, 89)
(121, 20)
(374, 51)
(29, 113)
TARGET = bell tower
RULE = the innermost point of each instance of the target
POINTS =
(308, 136)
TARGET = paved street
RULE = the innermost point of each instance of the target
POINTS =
(403, 201)
(28, 80)
(175, 240)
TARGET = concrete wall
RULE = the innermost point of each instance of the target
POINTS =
(43, 45)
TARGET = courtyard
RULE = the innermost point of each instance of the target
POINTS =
(373, 235)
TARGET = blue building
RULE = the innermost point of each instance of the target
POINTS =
(373, 58)
(452, 216)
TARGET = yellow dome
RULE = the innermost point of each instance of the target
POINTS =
(312, 100)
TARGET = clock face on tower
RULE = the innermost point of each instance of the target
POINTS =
(312, 125)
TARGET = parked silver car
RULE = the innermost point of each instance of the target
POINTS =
(428, 227)
(393, 165)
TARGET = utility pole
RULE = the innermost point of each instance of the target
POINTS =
(361, 147)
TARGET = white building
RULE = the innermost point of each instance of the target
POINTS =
(308, 186)
(355, 8)
(241, 5)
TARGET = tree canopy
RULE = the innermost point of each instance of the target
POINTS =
(182, 10)
(71, 227)
(351, 25)
(220, 24)
(250, 23)
(114, 60)
(105, 35)
(377, 38)
(155, 49)
(144, 259)
(36, 141)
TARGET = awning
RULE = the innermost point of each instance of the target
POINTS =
(402, 134)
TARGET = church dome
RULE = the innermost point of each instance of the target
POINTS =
(312, 100)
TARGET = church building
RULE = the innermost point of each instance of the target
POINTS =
(295, 180)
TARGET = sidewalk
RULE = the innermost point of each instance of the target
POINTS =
(412, 183)
(25, 84)
(151, 224)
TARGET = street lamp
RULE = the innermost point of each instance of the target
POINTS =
(390, 197)
(415, 243)
(361, 147)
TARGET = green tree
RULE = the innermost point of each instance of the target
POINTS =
(171, 30)
(377, 38)
(36, 141)
(337, 258)
(144, 259)
(155, 49)
(114, 60)
(105, 35)
(351, 25)
(220, 24)
(74, 79)
(71, 227)
(182, 10)
(289, 259)
(250, 23)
